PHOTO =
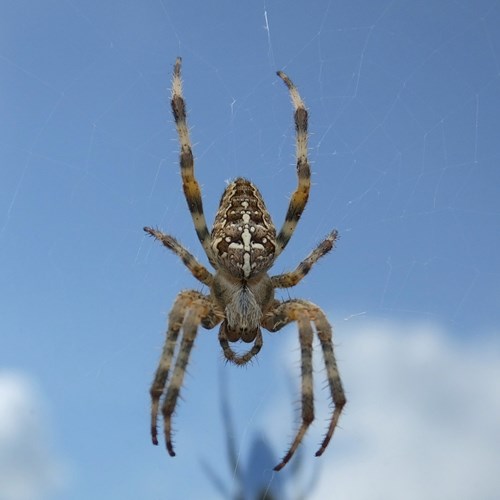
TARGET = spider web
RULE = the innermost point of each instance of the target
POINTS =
(403, 101)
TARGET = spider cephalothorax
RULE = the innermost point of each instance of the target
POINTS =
(242, 247)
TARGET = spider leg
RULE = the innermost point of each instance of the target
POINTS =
(195, 314)
(188, 304)
(304, 313)
(176, 317)
(189, 183)
(301, 194)
(324, 330)
(243, 358)
(190, 328)
(287, 280)
(198, 270)
(306, 338)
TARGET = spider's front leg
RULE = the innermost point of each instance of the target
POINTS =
(305, 313)
(190, 309)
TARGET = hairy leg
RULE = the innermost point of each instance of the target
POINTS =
(184, 304)
(307, 405)
(189, 183)
(198, 270)
(175, 320)
(325, 334)
(304, 312)
(287, 280)
(301, 194)
(190, 328)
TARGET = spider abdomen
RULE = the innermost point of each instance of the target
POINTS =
(243, 236)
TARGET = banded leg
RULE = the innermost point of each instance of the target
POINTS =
(237, 359)
(290, 279)
(324, 330)
(306, 339)
(304, 313)
(189, 183)
(183, 305)
(190, 328)
(285, 313)
(198, 270)
(301, 194)
(175, 319)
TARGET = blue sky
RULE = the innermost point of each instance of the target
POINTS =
(403, 99)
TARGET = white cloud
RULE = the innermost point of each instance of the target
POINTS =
(423, 417)
(28, 469)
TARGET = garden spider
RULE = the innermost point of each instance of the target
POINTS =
(242, 247)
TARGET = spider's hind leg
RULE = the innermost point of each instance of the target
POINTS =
(301, 194)
(190, 185)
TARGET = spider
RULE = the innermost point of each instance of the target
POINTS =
(242, 247)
